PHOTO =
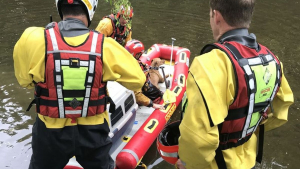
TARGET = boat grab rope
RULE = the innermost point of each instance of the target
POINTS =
(142, 165)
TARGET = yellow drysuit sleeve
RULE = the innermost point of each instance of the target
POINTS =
(210, 91)
(105, 27)
(120, 66)
(29, 64)
(281, 104)
(29, 57)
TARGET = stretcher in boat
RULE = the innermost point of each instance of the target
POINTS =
(134, 128)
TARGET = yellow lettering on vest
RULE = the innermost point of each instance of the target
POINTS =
(265, 91)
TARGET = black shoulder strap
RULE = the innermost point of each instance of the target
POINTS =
(220, 159)
(113, 22)
(207, 48)
(260, 143)
(50, 25)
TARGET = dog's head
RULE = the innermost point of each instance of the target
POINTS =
(156, 62)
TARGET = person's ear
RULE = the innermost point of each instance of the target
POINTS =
(217, 17)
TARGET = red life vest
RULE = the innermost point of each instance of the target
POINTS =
(59, 96)
(235, 130)
(118, 35)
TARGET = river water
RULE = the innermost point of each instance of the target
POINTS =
(276, 24)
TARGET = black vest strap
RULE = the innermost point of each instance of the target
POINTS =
(67, 93)
(220, 159)
(234, 114)
(30, 105)
(112, 106)
(225, 137)
(54, 103)
(208, 48)
(260, 143)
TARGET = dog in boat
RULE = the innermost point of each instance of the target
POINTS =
(150, 88)
(154, 76)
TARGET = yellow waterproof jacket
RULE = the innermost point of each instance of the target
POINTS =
(213, 73)
(105, 27)
(29, 64)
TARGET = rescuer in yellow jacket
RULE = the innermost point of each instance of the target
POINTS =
(117, 25)
(215, 86)
(56, 140)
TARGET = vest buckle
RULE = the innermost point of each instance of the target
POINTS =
(74, 62)
(264, 60)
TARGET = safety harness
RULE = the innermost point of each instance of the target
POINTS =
(73, 84)
(258, 77)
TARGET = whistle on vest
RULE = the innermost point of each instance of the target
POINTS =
(74, 63)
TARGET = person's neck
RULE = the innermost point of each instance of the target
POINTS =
(223, 29)
(82, 18)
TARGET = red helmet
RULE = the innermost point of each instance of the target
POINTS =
(167, 142)
(135, 47)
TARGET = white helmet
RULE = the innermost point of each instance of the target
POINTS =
(90, 6)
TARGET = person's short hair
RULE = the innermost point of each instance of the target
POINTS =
(237, 13)
(74, 9)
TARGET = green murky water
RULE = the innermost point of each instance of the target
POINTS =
(276, 24)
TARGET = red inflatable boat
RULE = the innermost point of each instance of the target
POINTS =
(135, 132)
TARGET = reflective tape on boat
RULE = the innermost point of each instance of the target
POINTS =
(132, 153)
(181, 80)
(177, 90)
(151, 125)
(182, 57)
(126, 139)
(168, 107)
(156, 47)
(182, 50)
(187, 62)
(175, 155)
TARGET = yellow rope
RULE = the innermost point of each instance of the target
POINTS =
(142, 165)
